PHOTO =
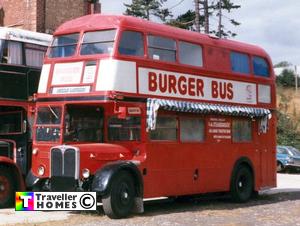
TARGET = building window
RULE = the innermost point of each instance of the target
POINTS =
(64, 46)
(98, 42)
(191, 129)
(166, 129)
(128, 129)
(240, 62)
(242, 130)
(132, 44)
(190, 54)
(160, 48)
(260, 66)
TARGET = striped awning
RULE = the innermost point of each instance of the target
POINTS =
(202, 108)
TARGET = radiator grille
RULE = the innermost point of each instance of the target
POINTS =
(65, 162)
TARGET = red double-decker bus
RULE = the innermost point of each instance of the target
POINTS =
(133, 109)
(21, 60)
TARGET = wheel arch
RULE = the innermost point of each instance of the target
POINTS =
(246, 162)
(104, 175)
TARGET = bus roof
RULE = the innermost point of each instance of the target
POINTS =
(99, 22)
(16, 34)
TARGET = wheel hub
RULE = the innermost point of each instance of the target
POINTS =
(240, 184)
(125, 195)
(4, 187)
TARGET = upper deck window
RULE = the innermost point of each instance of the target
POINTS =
(190, 54)
(160, 48)
(34, 55)
(240, 62)
(260, 66)
(11, 52)
(132, 44)
(98, 42)
(64, 46)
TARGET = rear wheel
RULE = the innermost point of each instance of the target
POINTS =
(7, 188)
(242, 184)
(120, 199)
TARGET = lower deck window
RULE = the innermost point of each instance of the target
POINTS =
(10, 123)
(242, 130)
(191, 129)
(128, 129)
(166, 129)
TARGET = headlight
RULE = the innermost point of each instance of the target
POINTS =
(41, 170)
(35, 151)
(86, 173)
(290, 160)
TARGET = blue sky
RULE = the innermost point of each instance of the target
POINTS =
(271, 24)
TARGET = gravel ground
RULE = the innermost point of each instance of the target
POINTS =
(280, 206)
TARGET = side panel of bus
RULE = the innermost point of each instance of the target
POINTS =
(181, 168)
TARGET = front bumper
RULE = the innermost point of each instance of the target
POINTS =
(292, 166)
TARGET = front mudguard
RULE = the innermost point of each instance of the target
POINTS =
(33, 182)
(103, 178)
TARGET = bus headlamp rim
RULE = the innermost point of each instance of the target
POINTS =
(85, 173)
(41, 170)
(35, 151)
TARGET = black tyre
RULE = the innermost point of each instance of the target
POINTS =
(279, 167)
(242, 184)
(120, 199)
(7, 188)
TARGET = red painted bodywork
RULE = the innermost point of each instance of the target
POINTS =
(12, 165)
(29, 109)
(170, 166)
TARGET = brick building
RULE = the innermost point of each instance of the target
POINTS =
(43, 15)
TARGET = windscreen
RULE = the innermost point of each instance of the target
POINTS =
(83, 124)
(63, 46)
(98, 42)
(48, 123)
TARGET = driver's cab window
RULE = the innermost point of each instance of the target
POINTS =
(84, 124)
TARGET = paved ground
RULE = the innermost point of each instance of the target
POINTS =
(280, 206)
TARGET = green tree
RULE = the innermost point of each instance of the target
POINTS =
(147, 8)
(282, 64)
(184, 21)
(208, 9)
(286, 78)
(287, 130)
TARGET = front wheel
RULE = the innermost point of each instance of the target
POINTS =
(120, 199)
(7, 188)
(241, 188)
(279, 167)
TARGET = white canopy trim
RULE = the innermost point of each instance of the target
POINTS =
(153, 105)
